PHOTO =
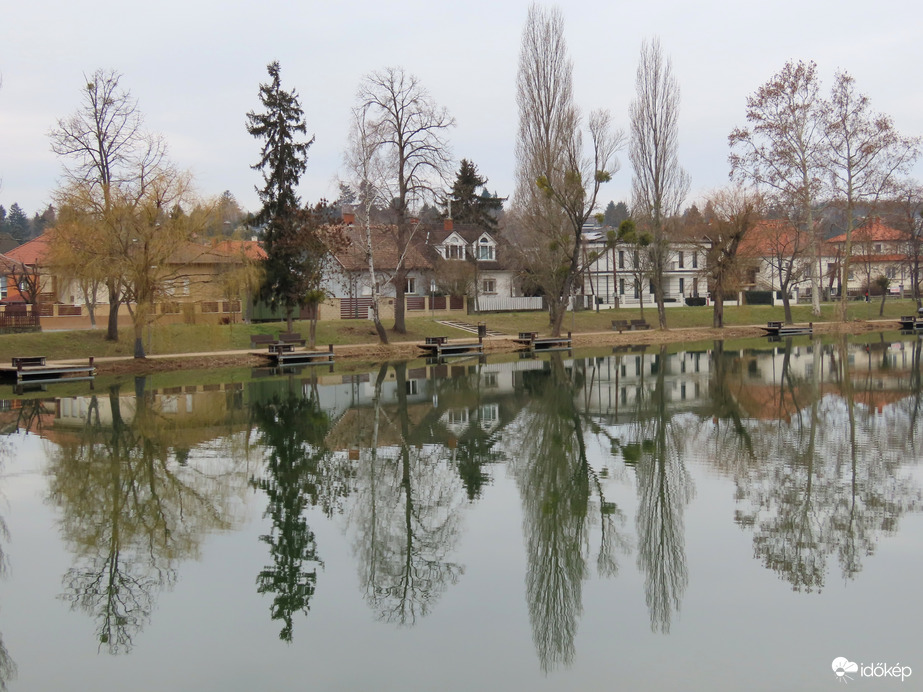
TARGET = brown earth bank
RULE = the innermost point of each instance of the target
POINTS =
(407, 351)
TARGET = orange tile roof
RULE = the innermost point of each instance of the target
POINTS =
(251, 249)
(32, 252)
(872, 232)
(771, 237)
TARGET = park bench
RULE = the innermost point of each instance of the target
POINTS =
(291, 338)
(640, 324)
(620, 325)
(261, 340)
(528, 336)
(436, 340)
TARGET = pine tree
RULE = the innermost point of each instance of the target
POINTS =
(18, 223)
(283, 159)
(469, 205)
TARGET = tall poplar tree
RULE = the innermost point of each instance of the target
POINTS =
(283, 158)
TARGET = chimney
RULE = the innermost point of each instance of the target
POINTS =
(447, 224)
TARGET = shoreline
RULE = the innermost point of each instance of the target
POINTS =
(379, 353)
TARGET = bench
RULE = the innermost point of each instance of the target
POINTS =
(28, 361)
(774, 325)
(640, 324)
(436, 340)
(620, 325)
(291, 338)
(527, 336)
(260, 340)
(279, 347)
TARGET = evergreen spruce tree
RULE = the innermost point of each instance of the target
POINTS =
(18, 223)
(469, 205)
(283, 159)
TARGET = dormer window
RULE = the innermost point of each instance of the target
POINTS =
(486, 250)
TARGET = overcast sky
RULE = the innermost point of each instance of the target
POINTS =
(195, 68)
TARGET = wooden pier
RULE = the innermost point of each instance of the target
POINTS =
(533, 343)
(774, 329)
(439, 347)
(283, 353)
(34, 369)
(911, 323)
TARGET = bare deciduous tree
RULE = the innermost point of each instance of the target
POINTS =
(366, 170)
(409, 135)
(736, 211)
(104, 146)
(557, 180)
(782, 150)
(865, 156)
(660, 184)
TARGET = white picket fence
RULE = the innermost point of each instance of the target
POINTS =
(508, 303)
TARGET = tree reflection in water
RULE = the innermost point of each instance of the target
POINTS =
(130, 510)
(406, 515)
(7, 664)
(830, 477)
(299, 473)
(556, 482)
(664, 489)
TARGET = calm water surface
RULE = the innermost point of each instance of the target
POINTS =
(710, 519)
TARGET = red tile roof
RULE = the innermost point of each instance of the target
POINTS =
(771, 238)
(33, 252)
(872, 232)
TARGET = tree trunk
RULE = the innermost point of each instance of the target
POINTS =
(312, 330)
(786, 306)
(139, 341)
(112, 331)
(718, 310)
(881, 310)
(400, 284)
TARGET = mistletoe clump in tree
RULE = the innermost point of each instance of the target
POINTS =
(283, 158)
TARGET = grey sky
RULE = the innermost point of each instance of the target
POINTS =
(195, 68)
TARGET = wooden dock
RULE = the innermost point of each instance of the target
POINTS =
(533, 343)
(284, 354)
(911, 323)
(773, 329)
(34, 369)
(439, 347)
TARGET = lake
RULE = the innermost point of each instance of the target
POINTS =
(700, 517)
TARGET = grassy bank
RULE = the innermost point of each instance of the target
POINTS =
(183, 338)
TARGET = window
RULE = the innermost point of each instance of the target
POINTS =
(410, 286)
(455, 252)
(489, 286)
(682, 286)
(651, 287)
(877, 247)
(891, 272)
(621, 287)
(411, 386)
(695, 260)
(682, 261)
(2, 287)
(621, 260)
(485, 250)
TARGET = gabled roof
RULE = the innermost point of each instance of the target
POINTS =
(32, 252)
(470, 233)
(251, 249)
(419, 255)
(873, 231)
(772, 237)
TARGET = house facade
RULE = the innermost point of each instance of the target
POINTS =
(619, 273)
